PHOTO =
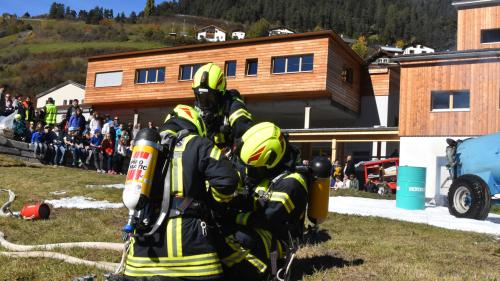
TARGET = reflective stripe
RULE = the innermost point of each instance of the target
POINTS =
(177, 177)
(168, 132)
(174, 237)
(261, 266)
(284, 199)
(178, 236)
(239, 100)
(203, 259)
(169, 236)
(220, 197)
(204, 270)
(237, 114)
(266, 237)
(299, 178)
(242, 218)
(215, 153)
(234, 258)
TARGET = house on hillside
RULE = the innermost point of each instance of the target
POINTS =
(280, 31)
(211, 33)
(417, 50)
(63, 94)
(453, 94)
(238, 34)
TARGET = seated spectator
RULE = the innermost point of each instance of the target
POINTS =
(338, 183)
(74, 144)
(77, 120)
(354, 183)
(30, 130)
(96, 153)
(48, 139)
(107, 148)
(58, 146)
(95, 122)
(37, 142)
(370, 186)
(20, 130)
(119, 157)
(86, 149)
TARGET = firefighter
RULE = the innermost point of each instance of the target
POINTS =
(274, 214)
(183, 248)
(223, 111)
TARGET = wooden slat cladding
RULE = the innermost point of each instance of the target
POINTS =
(261, 87)
(481, 77)
(342, 92)
(470, 23)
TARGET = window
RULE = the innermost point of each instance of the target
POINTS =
(252, 65)
(150, 75)
(230, 69)
(450, 100)
(187, 71)
(291, 64)
(108, 79)
(347, 75)
(490, 35)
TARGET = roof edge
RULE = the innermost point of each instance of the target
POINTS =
(449, 55)
(193, 47)
(65, 83)
(475, 3)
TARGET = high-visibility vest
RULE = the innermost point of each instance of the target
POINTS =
(50, 114)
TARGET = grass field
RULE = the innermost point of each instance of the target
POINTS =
(348, 248)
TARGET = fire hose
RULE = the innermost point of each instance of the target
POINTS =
(44, 250)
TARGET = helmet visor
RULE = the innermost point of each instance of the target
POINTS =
(206, 99)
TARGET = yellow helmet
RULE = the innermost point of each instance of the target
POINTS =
(186, 112)
(210, 76)
(263, 145)
(209, 86)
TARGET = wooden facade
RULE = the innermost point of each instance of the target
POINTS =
(471, 20)
(480, 75)
(381, 80)
(329, 51)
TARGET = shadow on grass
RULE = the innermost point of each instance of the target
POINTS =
(315, 237)
(307, 266)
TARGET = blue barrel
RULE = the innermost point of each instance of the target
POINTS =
(410, 194)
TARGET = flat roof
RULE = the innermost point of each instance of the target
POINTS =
(474, 3)
(215, 45)
(494, 52)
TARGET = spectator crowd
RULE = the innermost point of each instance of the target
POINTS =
(101, 143)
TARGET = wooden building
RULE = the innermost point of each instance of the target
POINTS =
(451, 94)
(279, 76)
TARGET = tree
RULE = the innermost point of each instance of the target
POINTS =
(259, 28)
(26, 15)
(132, 18)
(360, 47)
(149, 9)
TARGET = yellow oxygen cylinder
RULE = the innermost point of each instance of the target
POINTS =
(319, 196)
(141, 172)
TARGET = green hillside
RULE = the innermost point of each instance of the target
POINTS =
(37, 54)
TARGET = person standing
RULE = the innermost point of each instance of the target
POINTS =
(95, 145)
(72, 109)
(8, 105)
(95, 122)
(50, 113)
(349, 168)
(3, 88)
(29, 110)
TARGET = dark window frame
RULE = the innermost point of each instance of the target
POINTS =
(193, 71)
(147, 71)
(287, 58)
(484, 34)
(247, 68)
(226, 68)
(451, 100)
(347, 74)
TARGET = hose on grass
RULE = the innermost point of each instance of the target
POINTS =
(107, 266)
(43, 251)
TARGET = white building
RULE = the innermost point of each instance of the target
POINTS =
(418, 49)
(238, 34)
(63, 94)
(211, 33)
(280, 31)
